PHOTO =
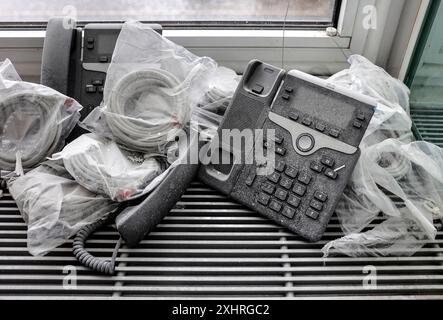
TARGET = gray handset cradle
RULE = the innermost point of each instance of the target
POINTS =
(318, 129)
(75, 61)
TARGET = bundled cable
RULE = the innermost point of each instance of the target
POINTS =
(99, 165)
(152, 86)
(34, 121)
(160, 93)
(54, 206)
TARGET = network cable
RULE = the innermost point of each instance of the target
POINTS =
(134, 132)
(35, 106)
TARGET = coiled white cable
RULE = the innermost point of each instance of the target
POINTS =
(35, 105)
(137, 133)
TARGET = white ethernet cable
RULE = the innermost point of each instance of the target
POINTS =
(18, 106)
(159, 86)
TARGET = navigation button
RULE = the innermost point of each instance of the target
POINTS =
(361, 116)
(305, 142)
(312, 214)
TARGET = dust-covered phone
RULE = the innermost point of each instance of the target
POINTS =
(318, 128)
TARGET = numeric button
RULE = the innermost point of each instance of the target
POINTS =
(275, 177)
(299, 190)
(275, 206)
(316, 167)
(291, 172)
(304, 178)
(268, 188)
(286, 183)
(281, 194)
(263, 198)
(288, 212)
(294, 201)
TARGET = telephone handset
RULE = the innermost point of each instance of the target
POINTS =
(75, 61)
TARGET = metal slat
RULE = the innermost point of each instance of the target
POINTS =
(211, 247)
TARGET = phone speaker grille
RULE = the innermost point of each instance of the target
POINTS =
(248, 113)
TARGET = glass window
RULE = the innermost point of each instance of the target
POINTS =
(249, 13)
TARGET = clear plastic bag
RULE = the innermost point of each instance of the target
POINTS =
(395, 176)
(34, 120)
(206, 119)
(99, 165)
(151, 87)
(54, 206)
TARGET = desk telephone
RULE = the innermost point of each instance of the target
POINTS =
(318, 126)
(318, 129)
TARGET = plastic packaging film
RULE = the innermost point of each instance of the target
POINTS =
(152, 86)
(395, 176)
(54, 206)
(34, 120)
(99, 165)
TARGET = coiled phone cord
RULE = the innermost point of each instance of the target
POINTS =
(134, 133)
(88, 260)
(41, 107)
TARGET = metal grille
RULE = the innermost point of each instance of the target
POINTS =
(210, 247)
(429, 121)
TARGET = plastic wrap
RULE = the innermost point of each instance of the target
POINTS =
(99, 165)
(206, 119)
(395, 177)
(54, 206)
(34, 120)
(151, 87)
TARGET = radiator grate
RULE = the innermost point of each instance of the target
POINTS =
(210, 247)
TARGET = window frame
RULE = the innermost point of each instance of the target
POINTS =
(311, 51)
